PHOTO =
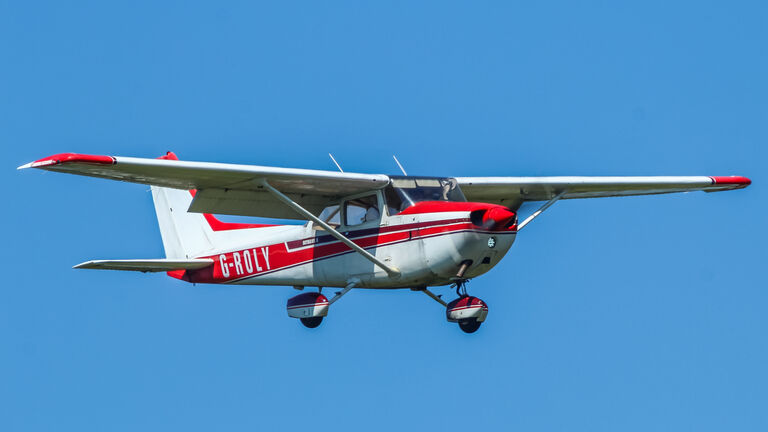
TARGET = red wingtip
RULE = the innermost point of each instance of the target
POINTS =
(169, 156)
(62, 158)
(732, 180)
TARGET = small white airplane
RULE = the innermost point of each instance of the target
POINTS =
(363, 231)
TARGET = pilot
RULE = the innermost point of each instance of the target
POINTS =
(448, 186)
(371, 214)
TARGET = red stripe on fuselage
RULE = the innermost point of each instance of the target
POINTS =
(238, 265)
(378, 231)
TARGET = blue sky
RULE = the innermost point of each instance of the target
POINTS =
(628, 314)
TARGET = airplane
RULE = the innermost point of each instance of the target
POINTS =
(362, 231)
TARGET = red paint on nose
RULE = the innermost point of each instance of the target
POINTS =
(499, 219)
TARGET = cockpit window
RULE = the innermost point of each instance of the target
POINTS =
(395, 203)
(361, 210)
(331, 216)
(404, 192)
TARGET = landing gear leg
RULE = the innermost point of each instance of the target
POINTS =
(461, 287)
(460, 282)
(433, 296)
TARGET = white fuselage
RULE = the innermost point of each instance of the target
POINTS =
(427, 249)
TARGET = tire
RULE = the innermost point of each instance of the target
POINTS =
(469, 325)
(311, 322)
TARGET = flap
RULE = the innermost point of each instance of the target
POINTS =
(256, 203)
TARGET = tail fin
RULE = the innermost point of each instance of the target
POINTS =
(185, 235)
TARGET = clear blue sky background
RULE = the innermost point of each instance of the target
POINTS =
(629, 314)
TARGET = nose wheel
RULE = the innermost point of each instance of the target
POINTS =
(469, 325)
(467, 311)
(312, 322)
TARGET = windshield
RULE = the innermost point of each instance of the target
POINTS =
(404, 192)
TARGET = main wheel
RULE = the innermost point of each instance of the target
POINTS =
(311, 322)
(469, 325)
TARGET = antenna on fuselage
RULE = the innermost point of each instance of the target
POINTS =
(398, 164)
(334, 161)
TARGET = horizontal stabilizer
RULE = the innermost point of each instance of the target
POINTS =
(146, 265)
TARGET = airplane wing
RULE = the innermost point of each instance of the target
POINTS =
(146, 265)
(513, 191)
(222, 188)
(238, 190)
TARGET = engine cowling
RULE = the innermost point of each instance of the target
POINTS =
(494, 218)
(466, 308)
(307, 305)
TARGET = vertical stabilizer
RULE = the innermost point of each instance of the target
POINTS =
(185, 235)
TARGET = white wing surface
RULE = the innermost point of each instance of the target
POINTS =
(237, 189)
(513, 191)
(222, 188)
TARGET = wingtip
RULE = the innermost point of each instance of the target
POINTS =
(69, 158)
(736, 181)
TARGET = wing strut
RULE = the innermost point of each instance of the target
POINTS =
(540, 210)
(392, 272)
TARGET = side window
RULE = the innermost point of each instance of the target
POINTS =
(395, 203)
(361, 210)
(331, 215)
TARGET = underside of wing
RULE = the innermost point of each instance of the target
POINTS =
(146, 265)
(513, 191)
(222, 188)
